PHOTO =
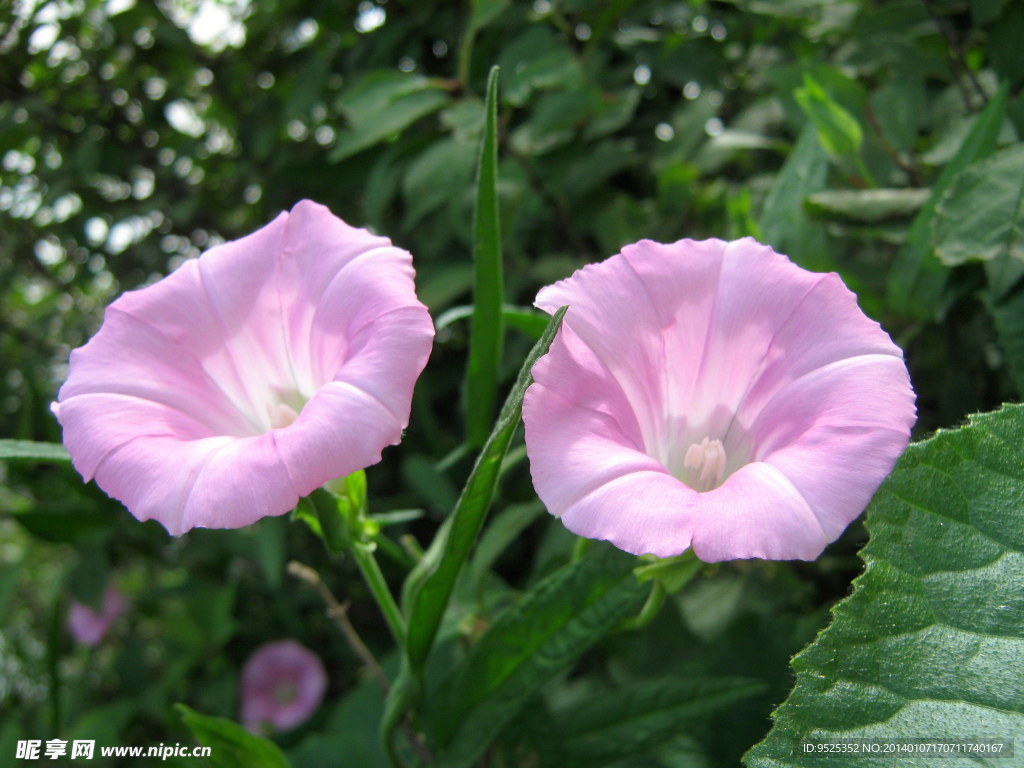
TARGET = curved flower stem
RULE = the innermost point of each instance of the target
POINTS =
(338, 613)
(364, 558)
(651, 608)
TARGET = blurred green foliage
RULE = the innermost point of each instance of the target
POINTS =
(845, 134)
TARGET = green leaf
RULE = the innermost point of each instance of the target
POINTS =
(1008, 317)
(536, 60)
(929, 643)
(429, 587)
(62, 525)
(321, 511)
(867, 205)
(231, 746)
(625, 723)
(917, 278)
(528, 320)
(487, 330)
(270, 547)
(556, 621)
(673, 573)
(838, 130)
(505, 529)
(985, 11)
(381, 105)
(441, 175)
(486, 11)
(981, 217)
(898, 108)
(88, 579)
(29, 450)
(784, 223)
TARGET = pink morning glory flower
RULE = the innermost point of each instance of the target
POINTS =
(282, 685)
(713, 395)
(89, 626)
(250, 376)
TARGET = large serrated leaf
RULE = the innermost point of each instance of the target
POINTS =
(550, 628)
(929, 645)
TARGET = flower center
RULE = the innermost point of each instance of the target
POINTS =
(704, 464)
(281, 415)
(285, 693)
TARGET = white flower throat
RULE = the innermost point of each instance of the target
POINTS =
(704, 464)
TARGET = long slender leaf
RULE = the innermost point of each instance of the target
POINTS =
(548, 630)
(29, 450)
(429, 587)
(838, 131)
(528, 320)
(488, 291)
(917, 278)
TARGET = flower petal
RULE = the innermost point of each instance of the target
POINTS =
(837, 431)
(251, 375)
(804, 400)
(587, 461)
(282, 685)
(757, 512)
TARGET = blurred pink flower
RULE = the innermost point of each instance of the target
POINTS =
(89, 627)
(250, 376)
(282, 685)
(716, 396)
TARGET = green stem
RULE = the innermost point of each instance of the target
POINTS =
(363, 555)
(580, 548)
(655, 600)
(465, 54)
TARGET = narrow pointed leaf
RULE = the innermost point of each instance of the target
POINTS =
(29, 450)
(429, 587)
(838, 130)
(487, 328)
